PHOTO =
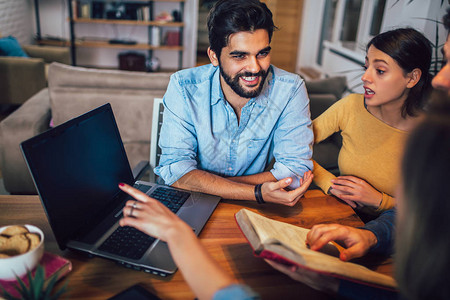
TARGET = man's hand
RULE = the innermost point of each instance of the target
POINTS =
(356, 241)
(313, 279)
(355, 191)
(275, 191)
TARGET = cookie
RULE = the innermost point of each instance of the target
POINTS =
(3, 239)
(34, 239)
(14, 230)
(15, 245)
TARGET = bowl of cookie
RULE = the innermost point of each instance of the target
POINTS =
(21, 249)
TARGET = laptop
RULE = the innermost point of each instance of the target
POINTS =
(76, 168)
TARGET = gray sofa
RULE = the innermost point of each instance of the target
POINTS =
(75, 90)
(71, 92)
(31, 72)
(322, 94)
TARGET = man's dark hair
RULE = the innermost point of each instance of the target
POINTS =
(232, 16)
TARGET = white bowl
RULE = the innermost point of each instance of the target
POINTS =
(18, 265)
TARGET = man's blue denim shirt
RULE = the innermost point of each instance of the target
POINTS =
(201, 131)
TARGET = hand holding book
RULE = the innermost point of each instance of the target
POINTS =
(313, 279)
(286, 244)
(357, 241)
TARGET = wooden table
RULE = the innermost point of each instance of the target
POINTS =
(97, 278)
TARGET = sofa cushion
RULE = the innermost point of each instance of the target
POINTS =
(333, 85)
(76, 90)
(318, 103)
(9, 46)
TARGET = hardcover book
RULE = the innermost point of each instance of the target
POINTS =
(285, 243)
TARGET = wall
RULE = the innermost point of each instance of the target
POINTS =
(54, 15)
(287, 15)
(16, 19)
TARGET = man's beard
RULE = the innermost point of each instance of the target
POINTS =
(233, 82)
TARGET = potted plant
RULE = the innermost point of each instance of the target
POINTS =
(38, 288)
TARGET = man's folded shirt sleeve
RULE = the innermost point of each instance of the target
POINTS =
(177, 139)
(294, 138)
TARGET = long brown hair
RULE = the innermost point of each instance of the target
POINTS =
(423, 233)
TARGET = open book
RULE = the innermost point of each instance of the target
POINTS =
(285, 243)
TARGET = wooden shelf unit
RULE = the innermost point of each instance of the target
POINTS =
(60, 43)
(128, 22)
(105, 44)
(101, 44)
(75, 42)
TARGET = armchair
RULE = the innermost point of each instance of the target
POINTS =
(322, 94)
(22, 77)
(71, 92)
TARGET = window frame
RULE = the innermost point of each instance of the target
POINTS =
(363, 32)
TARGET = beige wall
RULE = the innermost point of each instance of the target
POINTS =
(287, 17)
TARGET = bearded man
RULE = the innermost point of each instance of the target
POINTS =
(225, 122)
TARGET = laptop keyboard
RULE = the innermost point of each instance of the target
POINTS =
(127, 242)
(132, 243)
(173, 199)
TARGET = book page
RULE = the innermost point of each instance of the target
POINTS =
(270, 231)
(288, 241)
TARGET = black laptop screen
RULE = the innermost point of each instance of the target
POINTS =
(77, 167)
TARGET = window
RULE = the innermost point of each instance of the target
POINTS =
(349, 32)
(377, 17)
(329, 14)
(349, 24)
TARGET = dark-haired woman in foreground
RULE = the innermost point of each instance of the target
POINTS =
(375, 125)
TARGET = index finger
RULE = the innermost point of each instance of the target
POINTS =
(335, 233)
(349, 178)
(342, 181)
(317, 231)
(135, 193)
(298, 192)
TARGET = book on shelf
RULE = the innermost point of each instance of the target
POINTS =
(172, 38)
(286, 244)
(75, 6)
(143, 13)
(85, 10)
(81, 9)
(53, 265)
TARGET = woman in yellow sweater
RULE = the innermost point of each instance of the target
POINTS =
(375, 125)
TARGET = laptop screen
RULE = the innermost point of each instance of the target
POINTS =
(76, 168)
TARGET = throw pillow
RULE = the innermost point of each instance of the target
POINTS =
(9, 46)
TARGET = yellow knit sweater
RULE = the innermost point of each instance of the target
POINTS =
(371, 149)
